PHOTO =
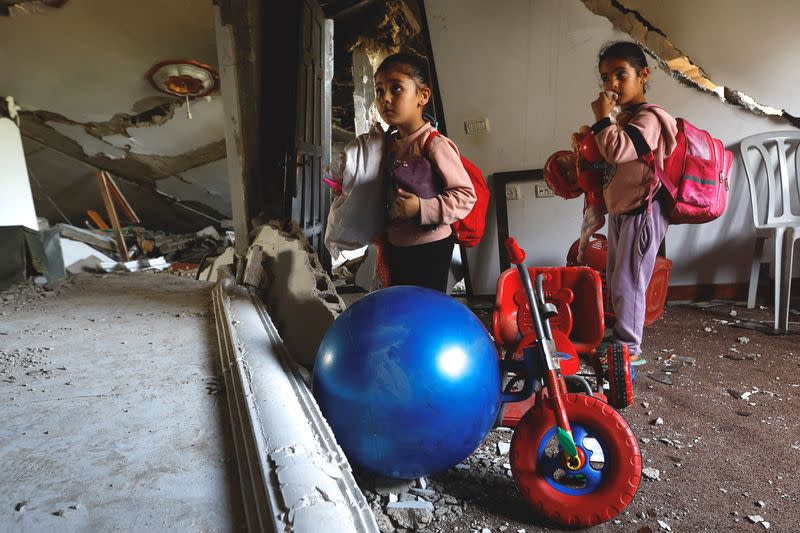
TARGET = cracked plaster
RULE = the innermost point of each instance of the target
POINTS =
(675, 62)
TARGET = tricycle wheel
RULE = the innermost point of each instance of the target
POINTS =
(606, 482)
(620, 381)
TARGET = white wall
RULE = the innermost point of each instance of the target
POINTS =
(530, 66)
(16, 200)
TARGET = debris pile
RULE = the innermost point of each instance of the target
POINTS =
(94, 250)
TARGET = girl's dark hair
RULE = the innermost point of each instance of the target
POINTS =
(416, 68)
(626, 50)
(412, 65)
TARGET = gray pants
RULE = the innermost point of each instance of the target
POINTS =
(633, 242)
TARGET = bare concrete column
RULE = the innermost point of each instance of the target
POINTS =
(229, 84)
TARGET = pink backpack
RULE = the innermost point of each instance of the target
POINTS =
(695, 176)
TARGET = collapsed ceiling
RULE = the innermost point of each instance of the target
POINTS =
(79, 75)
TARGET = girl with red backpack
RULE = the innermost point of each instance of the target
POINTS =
(631, 191)
(428, 188)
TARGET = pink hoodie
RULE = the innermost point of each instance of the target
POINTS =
(437, 213)
(622, 142)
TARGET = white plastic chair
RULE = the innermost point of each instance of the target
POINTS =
(773, 150)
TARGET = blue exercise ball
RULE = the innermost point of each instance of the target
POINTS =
(409, 381)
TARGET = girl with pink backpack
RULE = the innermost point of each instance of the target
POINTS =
(633, 143)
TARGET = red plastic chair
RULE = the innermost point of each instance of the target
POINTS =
(576, 293)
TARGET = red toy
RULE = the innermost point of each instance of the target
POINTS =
(561, 175)
(574, 459)
(656, 295)
(590, 164)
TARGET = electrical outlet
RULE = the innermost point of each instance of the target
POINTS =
(480, 125)
(513, 192)
(542, 190)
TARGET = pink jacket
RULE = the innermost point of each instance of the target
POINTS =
(437, 213)
(622, 142)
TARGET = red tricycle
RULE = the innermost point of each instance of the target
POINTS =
(573, 457)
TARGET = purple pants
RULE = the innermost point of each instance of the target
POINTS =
(633, 242)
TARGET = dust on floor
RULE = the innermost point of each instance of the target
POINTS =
(112, 413)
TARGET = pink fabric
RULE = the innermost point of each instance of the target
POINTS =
(629, 183)
(437, 213)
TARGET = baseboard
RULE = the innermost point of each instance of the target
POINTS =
(725, 291)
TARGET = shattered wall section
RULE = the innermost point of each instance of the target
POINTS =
(298, 292)
(673, 61)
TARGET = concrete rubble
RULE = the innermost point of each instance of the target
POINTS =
(293, 283)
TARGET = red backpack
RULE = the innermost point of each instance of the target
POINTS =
(695, 176)
(469, 230)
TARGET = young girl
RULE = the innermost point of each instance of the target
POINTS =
(419, 239)
(630, 189)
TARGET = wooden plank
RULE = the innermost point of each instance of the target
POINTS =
(121, 200)
(97, 219)
(102, 182)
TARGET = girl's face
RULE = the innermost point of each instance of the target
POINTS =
(398, 98)
(620, 77)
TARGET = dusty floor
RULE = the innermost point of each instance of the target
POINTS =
(111, 415)
(715, 460)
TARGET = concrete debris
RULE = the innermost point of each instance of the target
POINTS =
(96, 239)
(410, 504)
(755, 519)
(254, 269)
(743, 340)
(664, 525)
(733, 312)
(503, 448)
(672, 359)
(657, 422)
(661, 377)
(414, 517)
(145, 263)
(425, 493)
(761, 504)
(651, 473)
(298, 285)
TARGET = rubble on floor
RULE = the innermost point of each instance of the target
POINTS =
(93, 250)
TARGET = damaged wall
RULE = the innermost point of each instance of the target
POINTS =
(530, 66)
(79, 76)
(299, 294)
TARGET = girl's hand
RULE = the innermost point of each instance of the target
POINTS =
(603, 106)
(406, 205)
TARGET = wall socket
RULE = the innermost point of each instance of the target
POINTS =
(513, 192)
(542, 190)
(481, 125)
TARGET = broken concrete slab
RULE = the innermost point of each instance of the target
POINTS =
(299, 477)
(254, 270)
(227, 258)
(298, 286)
(94, 239)
(80, 257)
